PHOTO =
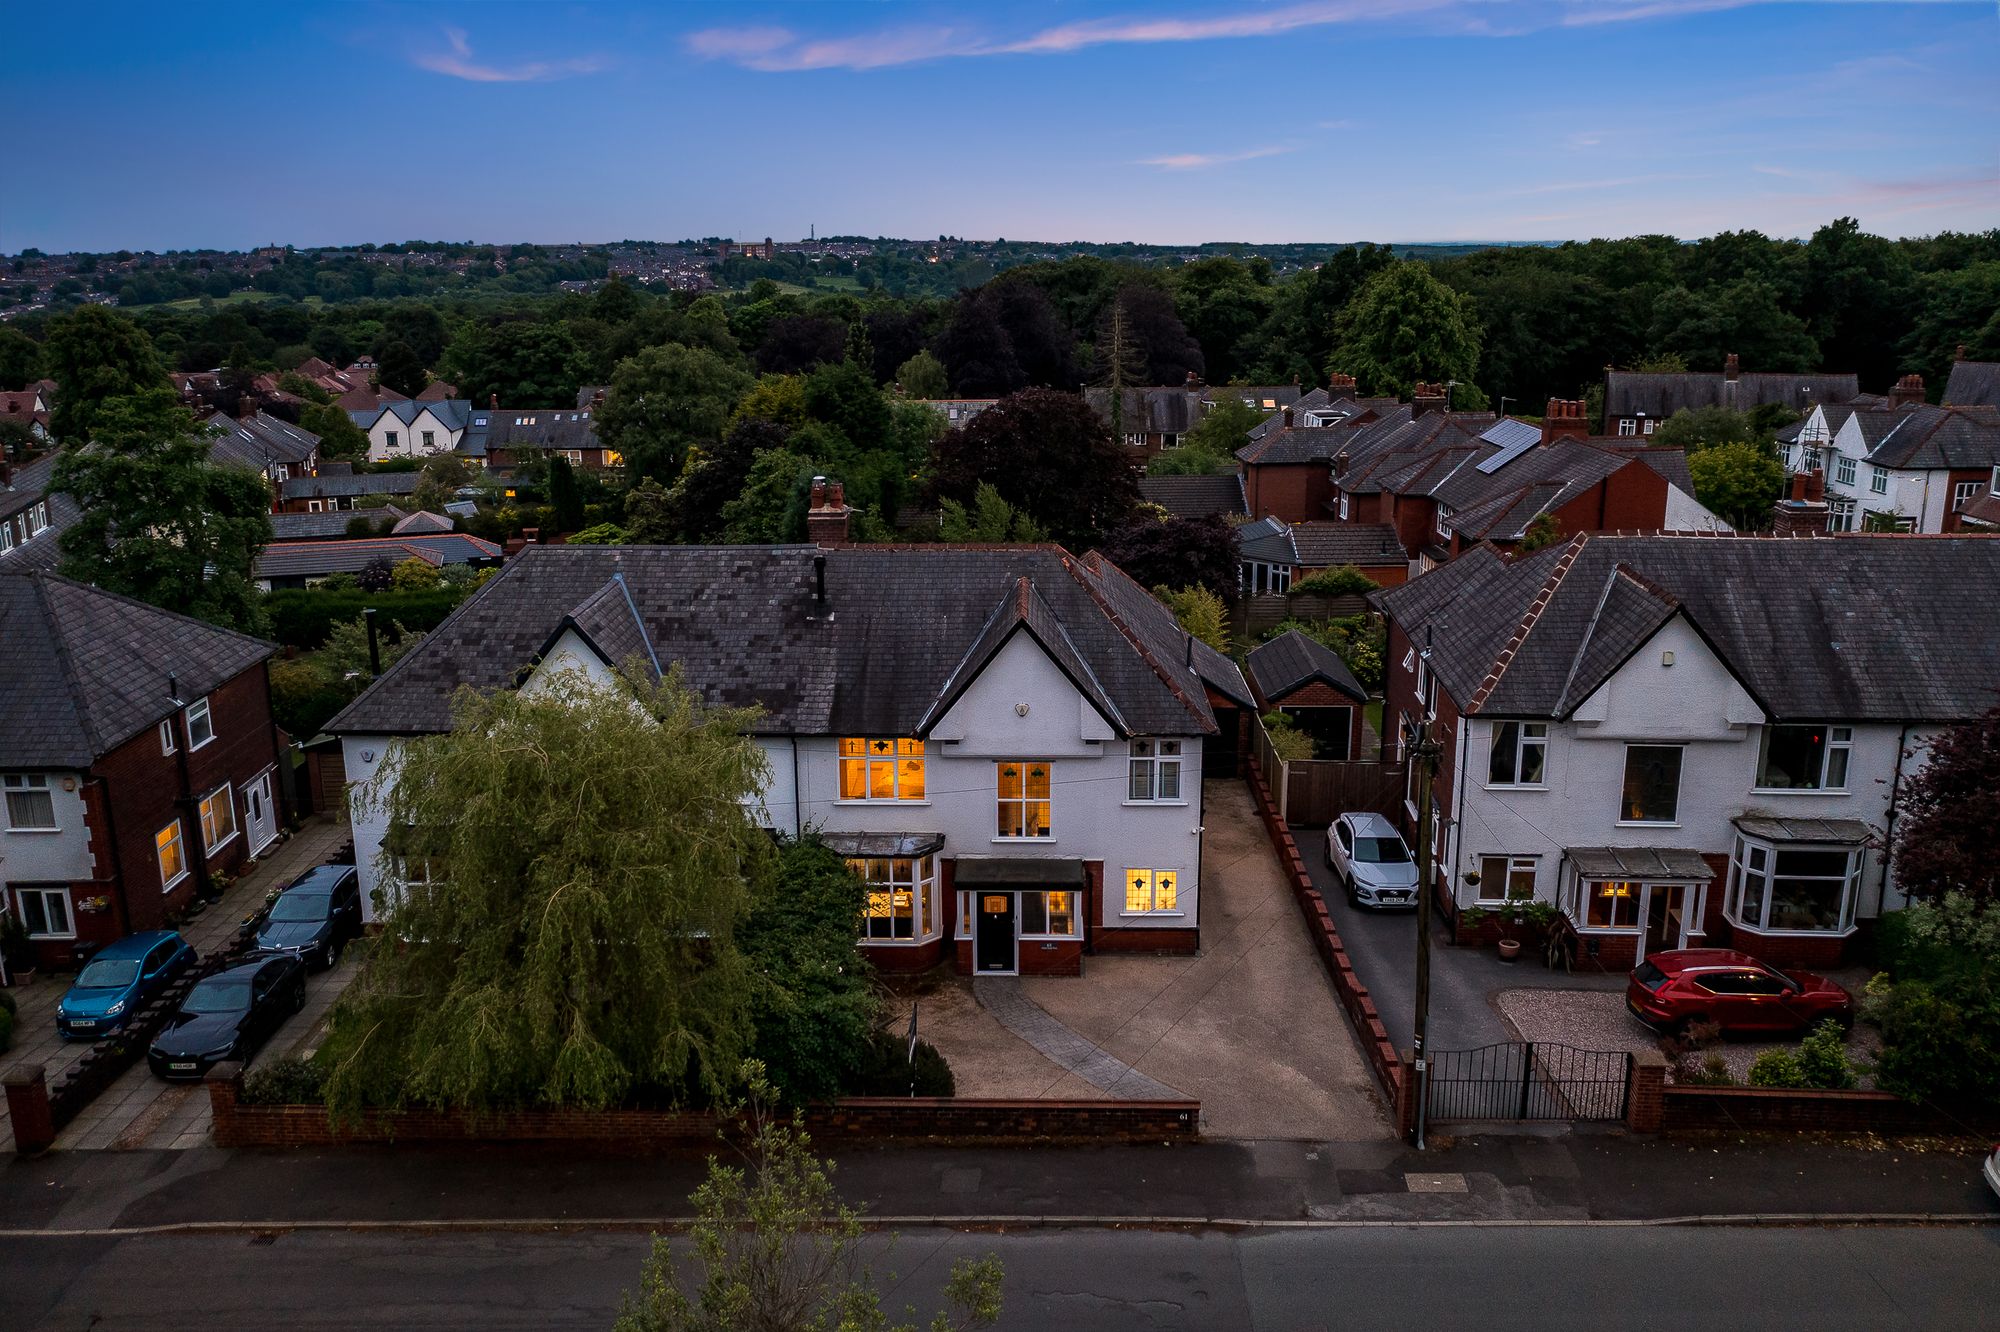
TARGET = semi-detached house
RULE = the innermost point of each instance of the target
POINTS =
(1689, 741)
(1008, 744)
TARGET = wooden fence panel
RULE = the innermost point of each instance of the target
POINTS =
(1319, 790)
(1258, 615)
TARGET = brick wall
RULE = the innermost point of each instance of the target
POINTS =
(904, 959)
(854, 1119)
(1295, 492)
(1814, 1111)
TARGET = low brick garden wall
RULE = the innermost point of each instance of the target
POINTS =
(869, 1118)
(1391, 1070)
(1781, 1109)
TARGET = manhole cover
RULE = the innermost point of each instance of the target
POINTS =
(1439, 1183)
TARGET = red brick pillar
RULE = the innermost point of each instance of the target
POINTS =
(225, 1085)
(1406, 1097)
(1646, 1092)
(28, 1110)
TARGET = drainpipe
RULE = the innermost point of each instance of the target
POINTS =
(117, 858)
(1889, 822)
(1464, 739)
(798, 796)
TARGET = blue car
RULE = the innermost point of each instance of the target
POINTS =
(117, 982)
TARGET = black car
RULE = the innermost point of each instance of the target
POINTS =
(228, 1016)
(315, 917)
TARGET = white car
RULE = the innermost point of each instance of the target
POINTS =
(1368, 856)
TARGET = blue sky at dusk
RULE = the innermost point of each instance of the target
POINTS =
(235, 125)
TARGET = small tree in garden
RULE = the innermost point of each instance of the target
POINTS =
(1199, 612)
(1949, 837)
(775, 1248)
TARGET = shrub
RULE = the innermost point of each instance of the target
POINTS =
(1822, 1058)
(1933, 1048)
(413, 575)
(885, 1070)
(1289, 743)
(1694, 1069)
(1346, 580)
(304, 618)
(1777, 1068)
(286, 1081)
(6, 1028)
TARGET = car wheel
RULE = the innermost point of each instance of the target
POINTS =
(299, 996)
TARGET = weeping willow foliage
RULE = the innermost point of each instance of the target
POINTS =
(588, 856)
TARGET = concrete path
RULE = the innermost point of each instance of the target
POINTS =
(1002, 997)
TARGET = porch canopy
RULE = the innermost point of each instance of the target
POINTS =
(882, 844)
(1819, 832)
(1019, 872)
(1646, 864)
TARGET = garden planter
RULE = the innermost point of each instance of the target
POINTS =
(1509, 949)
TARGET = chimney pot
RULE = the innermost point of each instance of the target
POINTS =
(1961, 353)
(1909, 389)
(1798, 487)
(493, 401)
(1729, 366)
(1288, 418)
(1816, 485)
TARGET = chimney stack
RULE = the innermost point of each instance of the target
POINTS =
(1909, 389)
(1961, 353)
(826, 518)
(1730, 367)
(1804, 511)
(1565, 417)
(1193, 380)
(1815, 486)
(493, 401)
(1430, 398)
(1288, 418)
(246, 407)
(1341, 386)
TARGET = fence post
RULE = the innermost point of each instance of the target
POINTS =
(1645, 1091)
(1527, 1074)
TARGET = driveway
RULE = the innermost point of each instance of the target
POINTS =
(1250, 1026)
(1465, 982)
(139, 1110)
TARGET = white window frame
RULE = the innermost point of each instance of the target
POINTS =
(179, 843)
(1680, 781)
(56, 891)
(1146, 767)
(1647, 427)
(1627, 428)
(898, 755)
(25, 784)
(1492, 894)
(1527, 735)
(1075, 930)
(206, 810)
(1443, 523)
(1839, 741)
(1024, 802)
(389, 438)
(38, 520)
(1343, 506)
(1741, 867)
(1130, 882)
(1843, 469)
(167, 745)
(199, 708)
(430, 440)
(1964, 492)
(1811, 459)
(915, 875)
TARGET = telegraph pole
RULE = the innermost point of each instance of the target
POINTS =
(1424, 752)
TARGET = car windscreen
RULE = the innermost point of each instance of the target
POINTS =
(218, 997)
(108, 974)
(1649, 975)
(1381, 851)
(296, 906)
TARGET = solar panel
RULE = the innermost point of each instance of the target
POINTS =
(1510, 439)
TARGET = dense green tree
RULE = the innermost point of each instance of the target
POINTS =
(528, 364)
(398, 367)
(565, 499)
(1177, 552)
(771, 508)
(795, 344)
(95, 356)
(159, 521)
(715, 475)
(1704, 327)
(417, 326)
(665, 401)
(989, 520)
(439, 483)
(20, 359)
(1948, 839)
(1738, 482)
(1859, 301)
(923, 376)
(843, 395)
(1297, 339)
(1405, 328)
(1167, 353)
(1048, 455)
(339, 437)
(1223, 304)
(547, 823)
(1958, 308)
(1707, 428)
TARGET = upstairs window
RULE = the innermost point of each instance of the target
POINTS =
(430, 439)
(389, 438)
(201, 726)
(31, 807)
(1628, 428)
(1520, 754)
(1843, 470)
(881, 768)
(167, 736)
(1154, 771)
(1024, 799)
(1652, 789)
(1804, 758)
(1964, 492)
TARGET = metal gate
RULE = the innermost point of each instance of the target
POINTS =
(1527, 1080)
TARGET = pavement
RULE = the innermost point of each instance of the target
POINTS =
(139, 1110)
(1533, 1279)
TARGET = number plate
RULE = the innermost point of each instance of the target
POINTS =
(182, 1068)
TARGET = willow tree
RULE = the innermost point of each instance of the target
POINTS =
(571, 863)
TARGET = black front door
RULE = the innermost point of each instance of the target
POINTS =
(993, 935)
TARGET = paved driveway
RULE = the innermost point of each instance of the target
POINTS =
(138, 1110)
(1250, 1026)
(1465, 982)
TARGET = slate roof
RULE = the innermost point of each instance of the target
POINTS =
(260, 441)
(314, 559)
(1631, 393)
(1863, 627)
(86, 670)
(1196, 496)
(1268, 540)
(1923, 437)
(28, 485)
(452, 413)
(1170, 410)
(1263, 397)
(1324, 545)
(528, 428)
(421, 523)
(744, 623)
(1973, 384)
(314, 526)
(1670, 463)
(362, 483)
(1293, 660)
(1653, 863)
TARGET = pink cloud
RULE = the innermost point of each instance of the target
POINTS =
(458, 63)
(1196, 161)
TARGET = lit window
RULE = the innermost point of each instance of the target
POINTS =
(881, 769)
(1611, 905)
(1805, 758)
(1024, 800)
(1049, 915)
(44, 912)
(1148, 891)
(1155, 770)
(613, 458)
(201, 727)
(898, 905)
(167, 845)
(1520, 754)
(1652, 784)
(31, 807)
(1506, 878)
(1786, 888)
(218, 817)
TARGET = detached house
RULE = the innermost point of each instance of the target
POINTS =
(1007, 743)
(138, 761)
(1688, 741)
(501, 439)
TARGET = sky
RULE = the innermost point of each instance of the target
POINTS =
(234, 125)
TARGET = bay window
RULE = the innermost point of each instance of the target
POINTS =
(1652, 784)
(1520, 754)
(1024, 799)
(1796, 889)
(898, 906)
(1154, 771)
(1804, 758)
(1610, 904)
(881, 768)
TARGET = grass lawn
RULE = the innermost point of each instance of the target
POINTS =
(233, 298)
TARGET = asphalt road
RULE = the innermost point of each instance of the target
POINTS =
(1535, 1278)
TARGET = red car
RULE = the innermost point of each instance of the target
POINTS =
(1733, 990)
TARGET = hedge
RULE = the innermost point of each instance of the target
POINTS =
(303, 617)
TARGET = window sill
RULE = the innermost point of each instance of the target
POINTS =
(51, 938)
(886, 803)
(893, 943)
(1603, 929)
(209, 851)
(1156, 804)
(32, 830)
(203, 745)
(1800, 791)
(1774, 931)
(1153, 915)
(1049, 938)
(173, 883)
(1514, 786)
(1643, 823)
(1027, 841)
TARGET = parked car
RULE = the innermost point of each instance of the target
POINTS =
(229, 1016)
(315, 917)
(118, 981)
(1992, 1169)
(1368, 856)
(1734, 990)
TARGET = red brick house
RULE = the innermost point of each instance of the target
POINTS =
(1308, 682)
(139, 763)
